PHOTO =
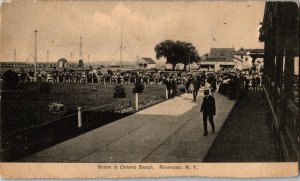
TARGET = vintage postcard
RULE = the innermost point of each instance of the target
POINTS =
(118, 89)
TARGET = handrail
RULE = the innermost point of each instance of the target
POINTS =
(271, 107)
(25, 129)
(281, 129)
(35, 126)
(69, 115)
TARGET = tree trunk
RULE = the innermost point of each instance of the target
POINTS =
(184, 68)
(174, 66)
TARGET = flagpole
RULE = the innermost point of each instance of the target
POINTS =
(211, 39)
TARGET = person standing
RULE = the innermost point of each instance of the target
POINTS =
(258, 82)
(168, 87)
(254, 84)
(213, 84)
(208, 108)
(196, 88)
(174, 87)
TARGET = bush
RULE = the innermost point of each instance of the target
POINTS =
(119, 91)
(45, 88)
(139, 88)
(11, 79)
(56, 108)
(110, 72)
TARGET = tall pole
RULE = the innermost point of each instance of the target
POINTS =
(47, 57)
(81, 47)
(71, 55)
(35, 54)
(121, 48)
(15, 60)
(88, 58)
(211, 39)
(190, 61)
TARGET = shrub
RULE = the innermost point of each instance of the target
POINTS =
(45, 88)
(139, 88)
(11, 79)
(110, 72)
(119, 91)
(56, 107)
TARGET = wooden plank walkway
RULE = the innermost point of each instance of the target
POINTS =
(246, 135)
(167, 132)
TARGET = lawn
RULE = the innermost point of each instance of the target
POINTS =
(26, 106)
(28, 126)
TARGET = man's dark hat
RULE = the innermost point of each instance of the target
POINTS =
(206, 91)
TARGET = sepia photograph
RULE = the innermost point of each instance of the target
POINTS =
(149, 85)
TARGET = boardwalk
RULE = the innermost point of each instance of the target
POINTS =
(245, 137)
(167, 132)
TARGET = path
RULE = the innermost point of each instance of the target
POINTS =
(167, 132)
(246, 136)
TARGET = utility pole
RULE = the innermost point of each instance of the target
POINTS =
(80, 47)
(121, 48)
(71, 55)
(190, 61)
(88, 58)
(15, 52)
(137, 61)
(35, 54)
(47, 57)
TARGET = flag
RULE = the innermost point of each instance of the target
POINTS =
(214, 38)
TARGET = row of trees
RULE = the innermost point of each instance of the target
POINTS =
(177, 52)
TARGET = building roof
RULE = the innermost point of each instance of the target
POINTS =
(243, 51)
(226, 53)
(219, 54)
(216, 60)
(147, 60)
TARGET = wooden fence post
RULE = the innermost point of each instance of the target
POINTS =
(79, 117)
(136, 101)
(167, 94)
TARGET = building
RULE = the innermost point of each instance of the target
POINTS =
(146, 63)
(280, 34)
(249, 58)
(217, 59)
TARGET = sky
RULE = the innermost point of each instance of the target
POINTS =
(143, 23)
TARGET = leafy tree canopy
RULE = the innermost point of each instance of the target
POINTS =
(177, 52)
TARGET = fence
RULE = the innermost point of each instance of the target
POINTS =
(283, 114)
(103, 79)
(20, 143)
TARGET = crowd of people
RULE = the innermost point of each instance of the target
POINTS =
(229, 83)
(92, 76)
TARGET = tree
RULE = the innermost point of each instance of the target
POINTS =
(177, 52)
(119, 91)
(11, 79)
(80, 63)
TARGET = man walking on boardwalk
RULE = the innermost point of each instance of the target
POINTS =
(208, 108)
(196, 88)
